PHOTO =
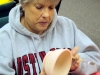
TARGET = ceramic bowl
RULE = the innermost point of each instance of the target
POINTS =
(57, 62)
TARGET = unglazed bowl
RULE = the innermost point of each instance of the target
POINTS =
(57, 62)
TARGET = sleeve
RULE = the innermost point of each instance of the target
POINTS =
(6, 60)
(88, 51)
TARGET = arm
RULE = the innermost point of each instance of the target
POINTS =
(6, 67)
(88, 51)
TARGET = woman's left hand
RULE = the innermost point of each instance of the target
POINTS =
(75, 59)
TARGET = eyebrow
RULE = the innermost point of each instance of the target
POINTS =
(38, 3)
(42, 4)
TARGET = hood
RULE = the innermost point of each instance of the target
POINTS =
(14, 20)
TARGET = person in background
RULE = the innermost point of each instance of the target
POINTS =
(34, 29)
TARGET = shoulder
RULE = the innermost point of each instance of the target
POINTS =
(65, 22)
(64, 19)
(5, 35)
(5, 30)
(5, 41)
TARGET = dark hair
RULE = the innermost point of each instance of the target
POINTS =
(22, 13)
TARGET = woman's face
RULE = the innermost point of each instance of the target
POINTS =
(38, 15)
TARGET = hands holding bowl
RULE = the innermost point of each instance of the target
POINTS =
(60, 62)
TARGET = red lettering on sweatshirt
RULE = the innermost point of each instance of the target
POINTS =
(25, 65)
(32, 61)
(19, 63)
(42, 55)
(14, 67)
(52, 49)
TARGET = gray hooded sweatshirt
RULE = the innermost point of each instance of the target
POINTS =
(22, 51)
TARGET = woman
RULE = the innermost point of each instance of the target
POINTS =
(33, 30)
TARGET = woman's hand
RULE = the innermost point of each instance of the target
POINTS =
(75, 59)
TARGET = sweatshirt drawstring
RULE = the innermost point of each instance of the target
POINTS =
(37, 54)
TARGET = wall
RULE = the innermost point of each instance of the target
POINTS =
(86, 15)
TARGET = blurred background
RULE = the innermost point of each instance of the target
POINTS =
(86, 15)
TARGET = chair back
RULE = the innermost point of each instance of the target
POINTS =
(3, 21)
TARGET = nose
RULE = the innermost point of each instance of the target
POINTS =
(45, 13)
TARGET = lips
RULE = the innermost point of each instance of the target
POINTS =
(43, 23)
